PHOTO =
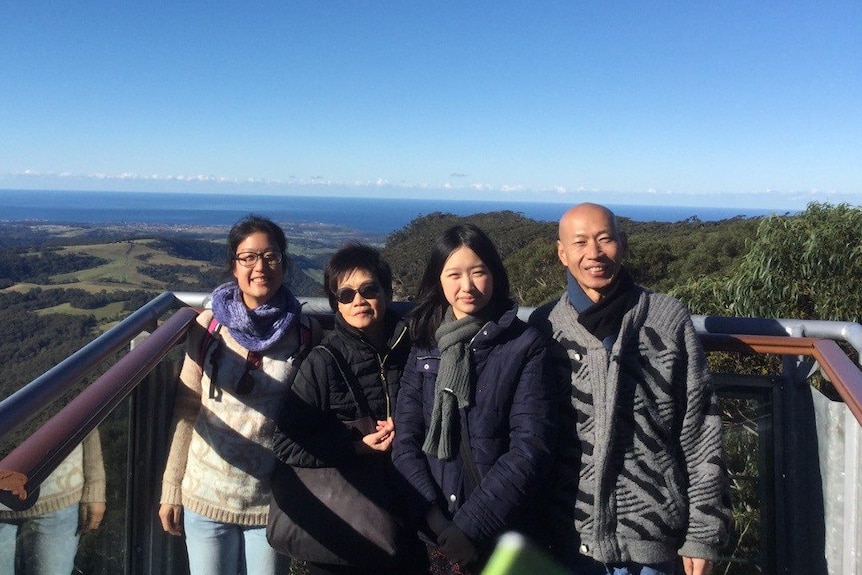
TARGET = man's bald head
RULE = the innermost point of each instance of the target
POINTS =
(592, 211)
(591, 247)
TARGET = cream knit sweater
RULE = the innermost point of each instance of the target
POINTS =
(220, 457)
(80, 478)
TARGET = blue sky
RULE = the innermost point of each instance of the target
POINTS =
(674, 103)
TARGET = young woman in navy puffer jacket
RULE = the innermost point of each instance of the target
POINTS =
(475, 371)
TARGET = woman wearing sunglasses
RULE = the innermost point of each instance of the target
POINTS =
(239, 362)
(353, 376)
(476, 416)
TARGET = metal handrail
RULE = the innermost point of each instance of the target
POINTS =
(36, 396)
(40, 453)
(835, 330)
(26, 466)
(849, 332)
(842, 373)
(839, 369)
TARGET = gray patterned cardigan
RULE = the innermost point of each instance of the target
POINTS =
(646, 469)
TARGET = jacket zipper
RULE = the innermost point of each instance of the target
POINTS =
(381, 364)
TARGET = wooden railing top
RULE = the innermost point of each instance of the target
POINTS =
(844, 375)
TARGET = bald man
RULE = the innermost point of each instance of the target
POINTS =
(641, 486)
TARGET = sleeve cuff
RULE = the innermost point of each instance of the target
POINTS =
(94, 493)
(700, 550)
(171, 495)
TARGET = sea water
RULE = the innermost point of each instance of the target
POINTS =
(373, 215)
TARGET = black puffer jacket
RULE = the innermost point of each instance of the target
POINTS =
(310, 432)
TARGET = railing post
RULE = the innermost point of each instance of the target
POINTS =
(852, 490)
(804, 528)
(150, 551)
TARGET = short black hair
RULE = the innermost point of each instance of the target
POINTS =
(355, 256)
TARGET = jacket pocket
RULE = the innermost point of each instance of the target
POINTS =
(427, 365)
(677, 501)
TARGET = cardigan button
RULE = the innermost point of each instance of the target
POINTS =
(453, 498)
(426, 366)
(584, 548)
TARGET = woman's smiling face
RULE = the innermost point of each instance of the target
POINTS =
(260, 282)
(466, 282)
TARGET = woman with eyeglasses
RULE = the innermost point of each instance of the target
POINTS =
(476, 415)
(240, 360)
(352, 376)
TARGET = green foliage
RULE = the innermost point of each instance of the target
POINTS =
(742, 446)
(535, 272)
(407, 250)
(300, 283)
(193, 249)
(184, 278)
(803, 266)
(662, 255)
(33, 343)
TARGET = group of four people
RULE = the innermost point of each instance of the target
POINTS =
(594, 431)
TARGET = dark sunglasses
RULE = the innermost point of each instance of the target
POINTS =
(368, 291)
(246, 383)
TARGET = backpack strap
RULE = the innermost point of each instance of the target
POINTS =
(310, 331)
(306, 329)
(212, 329)
(209, 337)
(309, 334)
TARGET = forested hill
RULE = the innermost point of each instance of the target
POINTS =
(60, 286)
(662, 256)
(806, 266)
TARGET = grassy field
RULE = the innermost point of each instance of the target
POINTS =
(128, 265)
(123, 268)
(122, 272)
(130, 253)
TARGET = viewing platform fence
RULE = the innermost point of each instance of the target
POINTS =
(797, 477)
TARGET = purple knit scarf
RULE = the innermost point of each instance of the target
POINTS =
(255, 329)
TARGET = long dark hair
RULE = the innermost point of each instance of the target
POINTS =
(429, 305)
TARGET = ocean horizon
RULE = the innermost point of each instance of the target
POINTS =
(370, 215)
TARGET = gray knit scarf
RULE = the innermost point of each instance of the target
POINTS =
(452, 390)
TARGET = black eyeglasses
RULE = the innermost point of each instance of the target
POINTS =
(253, 361)
(368, 291)
(249, 259)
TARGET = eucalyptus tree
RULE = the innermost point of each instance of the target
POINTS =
(805, 266)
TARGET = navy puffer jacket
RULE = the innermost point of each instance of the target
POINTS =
(511, 422)
(309, 432)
